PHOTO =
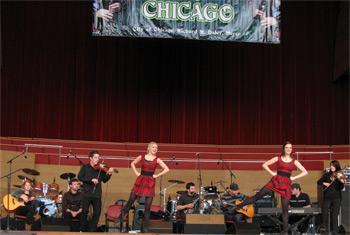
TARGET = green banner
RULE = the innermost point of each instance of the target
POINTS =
(221, 20)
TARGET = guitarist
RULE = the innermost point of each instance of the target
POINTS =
(186, 204)
(26, 195)
(229, 199)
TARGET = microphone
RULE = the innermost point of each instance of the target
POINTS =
(219, 160)
(174, 159)
(198, 154)
(70, 152)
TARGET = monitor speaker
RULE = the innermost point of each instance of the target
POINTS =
(160, 227)
(52, 224)
(205, 224)
(244, 228)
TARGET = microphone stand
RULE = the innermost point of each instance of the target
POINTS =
(200, 184)
(228, 168)
(8, 186)
(160, 186)
(80, 162)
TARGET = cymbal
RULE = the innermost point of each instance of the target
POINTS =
(30, 171)
(25, 177)
(17, 186)
(176, 181)
(181, 192)
(220, 182)
(65, 176)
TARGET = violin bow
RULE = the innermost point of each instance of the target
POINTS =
(98, 176)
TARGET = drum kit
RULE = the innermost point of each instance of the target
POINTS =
(211, 200)
(49, 199)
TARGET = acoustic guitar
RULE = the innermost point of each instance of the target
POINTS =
(249, 212)
(14, 202)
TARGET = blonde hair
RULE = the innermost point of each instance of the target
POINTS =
(150, 145)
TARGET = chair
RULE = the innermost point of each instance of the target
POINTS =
(113, 213)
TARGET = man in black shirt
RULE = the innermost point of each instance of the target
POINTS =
(229, 199)
(72, 202)
(299, 199)
(188, 203)
(92, 189)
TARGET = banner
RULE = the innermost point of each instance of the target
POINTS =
(220, 20)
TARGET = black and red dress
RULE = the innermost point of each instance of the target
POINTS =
(281, 182)
(145, 183)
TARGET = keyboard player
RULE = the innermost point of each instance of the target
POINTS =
(299, 199)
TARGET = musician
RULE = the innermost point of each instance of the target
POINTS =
(72, 203)
(280, 181)
(299, 199)
(92, 190)
(25, 194)
(186, 204)
(332, 194)
(229, 199)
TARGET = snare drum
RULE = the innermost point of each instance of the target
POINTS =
(58, 199)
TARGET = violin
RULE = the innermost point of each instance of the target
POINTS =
(103, 167)
(339, 175)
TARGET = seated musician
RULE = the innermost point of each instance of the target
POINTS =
(72, 202)
(188, 203)
(25, 194)
(228, 201)
(299, 199)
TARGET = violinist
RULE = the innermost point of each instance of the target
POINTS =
(333, 184)
(92, 190)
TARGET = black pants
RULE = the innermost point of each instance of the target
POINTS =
(236, 217)
(27, 211)
(332, 204)
(96, 206)
(68, 221)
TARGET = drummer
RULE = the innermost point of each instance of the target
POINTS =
(228, 200)
(72, 203)
(26, 195)
(186, 205)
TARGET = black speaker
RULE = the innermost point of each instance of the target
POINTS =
(244, 228)
(264, 203)
(52, 224)
(205, 224)
(160, 227)
(345, 207)
(138, 217)
(264, 221)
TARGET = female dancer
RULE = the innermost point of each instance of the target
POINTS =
(145, 183)
(25, 194)
(280, 182)
(333, 184)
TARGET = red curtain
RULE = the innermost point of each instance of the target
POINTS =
(60, 82)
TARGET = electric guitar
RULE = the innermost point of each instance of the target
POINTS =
(190, 211)
(14, 202)
(249, 212)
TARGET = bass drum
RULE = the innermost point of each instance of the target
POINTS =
(46, 207)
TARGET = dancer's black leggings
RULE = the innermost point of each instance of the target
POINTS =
(285, 203)
(147, 212)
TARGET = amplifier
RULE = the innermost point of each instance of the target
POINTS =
(264, 203)
(205, 224)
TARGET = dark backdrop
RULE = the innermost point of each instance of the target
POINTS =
(58, 81)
